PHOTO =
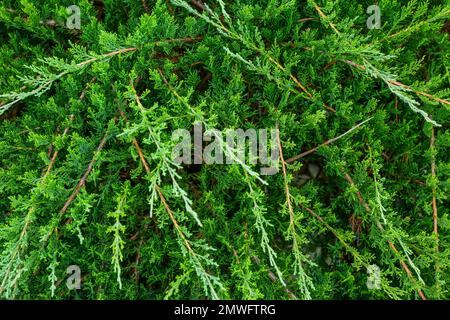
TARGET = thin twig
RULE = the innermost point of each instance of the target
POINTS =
(185, 40)
(303, 154)
(146, 8)
(286, 184)
(66, 130)
(66, 205)
(306, 19)
(165, 204)
(81, 183)
(413, 26)
(169, 7)
(31, 211)
(433, 176)
(380, 227)
(139, 255)
(55, 154)
(83, 179)
(291, 228)
(198, 5)
(272, 277)
(298, 83)
(322, 15)
(47, 85)
(148, 171)
(397, 83)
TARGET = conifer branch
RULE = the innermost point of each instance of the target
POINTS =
(417, 26)
(261, 224)
(45, 79)
(168, 165)
(230, 152)
(66, 130)
(304, 281)
(274, 278)
(117, 229)
(304, 154)
(286, 184)
(394, 86)
(231, 32)
(391, 244)
(20, 245)
(210, 282)
(81, 183)
(359, 259)
(208, 64)
(398, 83)
(324, 17)
(433, 177)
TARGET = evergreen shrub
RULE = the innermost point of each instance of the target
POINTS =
(358, 209)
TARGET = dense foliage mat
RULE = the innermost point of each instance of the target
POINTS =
(359, 207)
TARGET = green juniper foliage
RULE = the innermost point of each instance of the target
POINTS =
(87, 176)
